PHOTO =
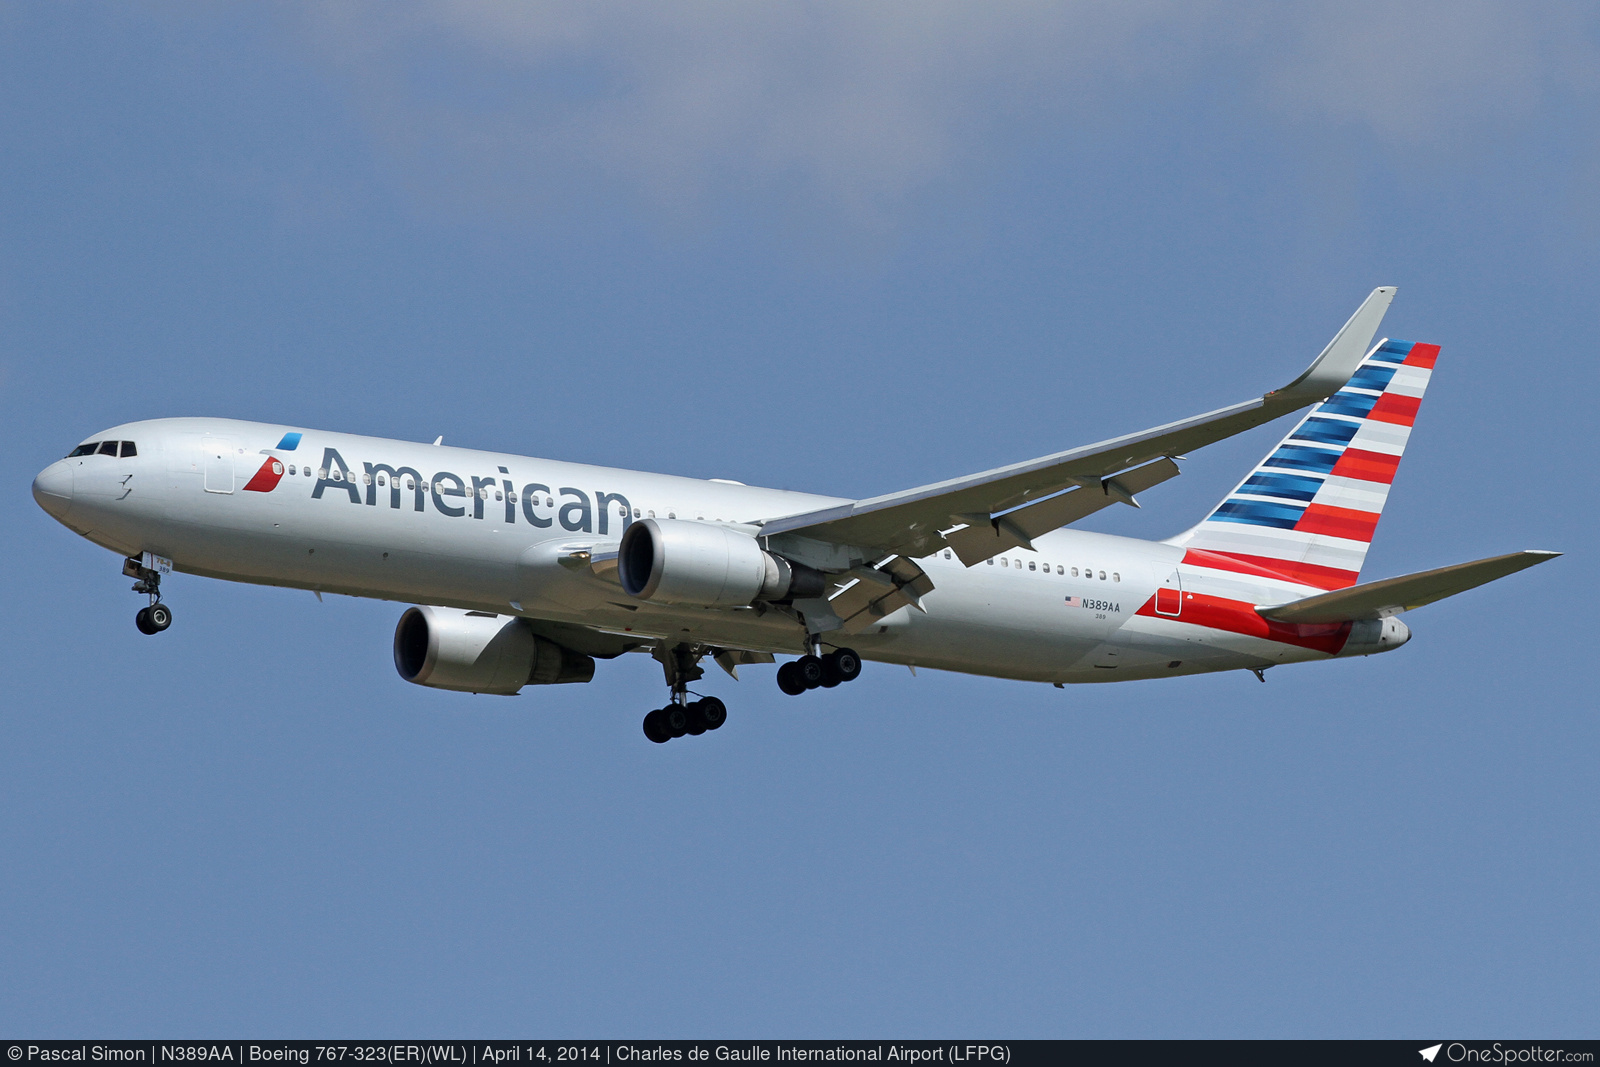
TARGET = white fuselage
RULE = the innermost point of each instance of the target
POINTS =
(494, 532)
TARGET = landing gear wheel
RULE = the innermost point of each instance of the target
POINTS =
(655, 729)
(713, 711)
(830, 673)
(789, 680)
(142, 621)
(810, 671)
(696, 722)
(159, 616)
(846, 664)
(675, 719)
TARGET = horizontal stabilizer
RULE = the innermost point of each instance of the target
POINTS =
(1391, 596)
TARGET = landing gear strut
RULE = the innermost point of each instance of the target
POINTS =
(812, 671)
(683, 716)
(156, 616)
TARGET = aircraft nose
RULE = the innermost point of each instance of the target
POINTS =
(53, 488)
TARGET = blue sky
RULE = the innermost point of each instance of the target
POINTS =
(824, 247)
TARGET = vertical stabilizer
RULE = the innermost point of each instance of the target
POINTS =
(1309, 510)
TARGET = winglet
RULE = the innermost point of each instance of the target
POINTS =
(1343, 354)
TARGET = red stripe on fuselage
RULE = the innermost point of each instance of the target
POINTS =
(1288, 570)
(1237, 617)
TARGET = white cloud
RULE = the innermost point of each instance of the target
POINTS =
(857, 103)
(1431, 69)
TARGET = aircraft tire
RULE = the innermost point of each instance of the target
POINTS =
(655, 729)
(695, 720)
(714, 712)
(675, 720)
(142, 621)
(789, 680)
(830, 673)
(810, 670)
(847, 663)
(160, 617)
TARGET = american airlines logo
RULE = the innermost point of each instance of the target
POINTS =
(536, 502)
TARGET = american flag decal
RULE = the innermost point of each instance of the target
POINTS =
(1074, 601)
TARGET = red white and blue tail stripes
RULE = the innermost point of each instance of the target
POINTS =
(1307, 513)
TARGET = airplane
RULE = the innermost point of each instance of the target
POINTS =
(524, 571)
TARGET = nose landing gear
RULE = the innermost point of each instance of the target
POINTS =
(683, 716)
(156, 616)
(819, 672)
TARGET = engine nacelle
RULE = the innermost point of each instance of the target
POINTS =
(673, 561)
(1368, 636)
(477, 652)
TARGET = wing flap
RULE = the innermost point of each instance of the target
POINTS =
(989, 536)
(880, 591)
(1391, 596)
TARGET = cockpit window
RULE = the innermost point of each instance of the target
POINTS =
(129, 449)
(84, 450)
(108, 448)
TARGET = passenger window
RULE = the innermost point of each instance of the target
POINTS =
(292, 471)
(1004, 562)
(947, 553)
(1115, 577)
(1032, 565)
(1060, 569)
(636, 513)
(411, 483)
(109, 448)
(990, 561)
(381, 480)
(129, 449)
(1074, 572)
(84, 450)
(672, 514)
(652, 513)
(1102, 576)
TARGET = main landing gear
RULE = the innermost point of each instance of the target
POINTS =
(819, 672)
(683, 716)
(156, 616)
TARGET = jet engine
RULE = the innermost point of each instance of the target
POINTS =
(479, 652)
(673, 561)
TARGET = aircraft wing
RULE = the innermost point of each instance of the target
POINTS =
(1005, 507)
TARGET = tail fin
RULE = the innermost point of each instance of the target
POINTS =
(1307, 512)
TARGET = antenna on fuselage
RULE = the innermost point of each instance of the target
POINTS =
(439, 440)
